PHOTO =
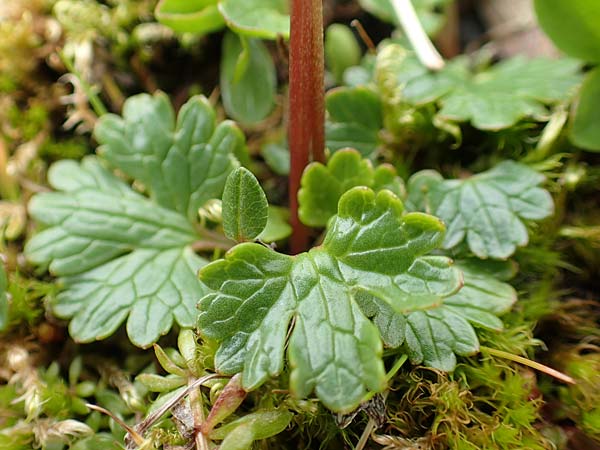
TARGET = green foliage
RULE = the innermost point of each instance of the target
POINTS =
(27, 299)
(277, 156)
(484, 296)
(323, 186)
(266, 19)
(109, 243)
(573, 26)
(585, 130)
(487, 210)
(193, 16)
(120, 254)
(278, 226)
(3, 299)
(491, 99)
(245, 207)
(355, 119)
(341, 50)
(181, 163)
(248, 79)
(182, 365)
(510, 91)
(371, 264)
(241, 433)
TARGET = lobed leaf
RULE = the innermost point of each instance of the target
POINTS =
(245, 207)
(184, 162)
(491, 99)
(97, 218)
(322, 186)
(372, 264)
(483, 296)
(120, 255)
(510, 91)
(488, 210)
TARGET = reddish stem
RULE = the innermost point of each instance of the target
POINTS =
(306, 133)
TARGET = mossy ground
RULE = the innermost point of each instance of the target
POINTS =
(487, 403)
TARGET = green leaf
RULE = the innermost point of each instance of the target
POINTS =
(277, 156)
(245, 207)
(371, 264)
(265, 19)
(241, 433)
(510, 91)
(120, 255)
(487, 210)
(341, 50)
(191, 16)
(322, 186)
(167, 363)
(483, 296)
(157, 383)
(97, 218)
(3, 299)
(434, 336)
(573, 26)
(278, 226)
(491, 99)
(248, 79)
(585, 130)
(183, 164)
(354, 119)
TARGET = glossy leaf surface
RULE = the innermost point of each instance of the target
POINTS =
(245, 207)
(487, 210)
(322, 186)
(121, 255)
(371, 264)
(182, 162)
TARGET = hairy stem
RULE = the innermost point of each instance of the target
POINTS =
(307, 111)
(413, 29)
